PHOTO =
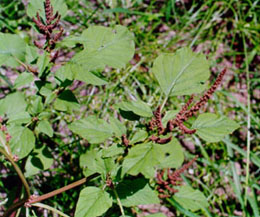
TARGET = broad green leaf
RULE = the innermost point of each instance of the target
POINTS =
(19, 118)
(213, 128)
(118, 128)
(22, 141)
(93, 129)
(45, 127)
(66, 102)
(190, 199)
(31, 54)
(41, 159)
(23, 79)
(13, 103)
(12, 50)
(92, 202)
(38, 6)
(173, 155)
(137, 107)
(103, 46)
(181, 73)
(139, 136)
(169, 115)
(142, 158)
(136, 192)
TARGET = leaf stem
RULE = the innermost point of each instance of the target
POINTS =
(119, 202)
(44, 206)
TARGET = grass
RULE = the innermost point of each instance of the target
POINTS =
(229, 32)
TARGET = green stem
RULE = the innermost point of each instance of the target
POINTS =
(119, 202)
(44, 206)
(248, 119)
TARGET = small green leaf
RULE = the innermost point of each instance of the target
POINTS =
(45, 127)
(7, 104)
(181, 73)
(92, 202)
(41, 159)
(12, 50)
(173, 155)
(157, 215)
(139, 136)
(93, 129)
(169, 115)
(213, 128)
(142, 158)
(36, 106)
(42, 63)
(136, 192)
(22, 141)
(19, 118)
(31, 54)
(38, 6)
(137, 107)
(191, 199)
(118, 128)
(23, 79)
(66, 102)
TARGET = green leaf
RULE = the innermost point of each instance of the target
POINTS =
(92, 202)
(181, 73)
(36, 106)
(66, 102)
(13, 103)
(93, 129)
(42, 63)
(12, 50)
(22, 141)
(137, 107)
(136, 192)
(45, 127)
(191, 199)
(38, 6)
(23, 79)
(112, 151)
(19, 118)
(73, 71)
(173, 155)
(41, 159)
(139, 136)
(213, 128)
(31, 54)
(142, 158)
(118, 128)
(169, 115)
(104, 46)
(2, 139)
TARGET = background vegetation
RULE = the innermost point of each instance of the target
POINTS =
(228, 32)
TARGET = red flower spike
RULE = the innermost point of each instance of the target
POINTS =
(125, 140)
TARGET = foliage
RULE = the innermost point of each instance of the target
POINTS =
(120, 146)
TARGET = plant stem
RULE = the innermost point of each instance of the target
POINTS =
(58, 191)
(119, 202)
(18, 170)
(44, 206)
(248, 119)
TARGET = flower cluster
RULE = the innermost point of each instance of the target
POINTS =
(47, 27)
(166, 187)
